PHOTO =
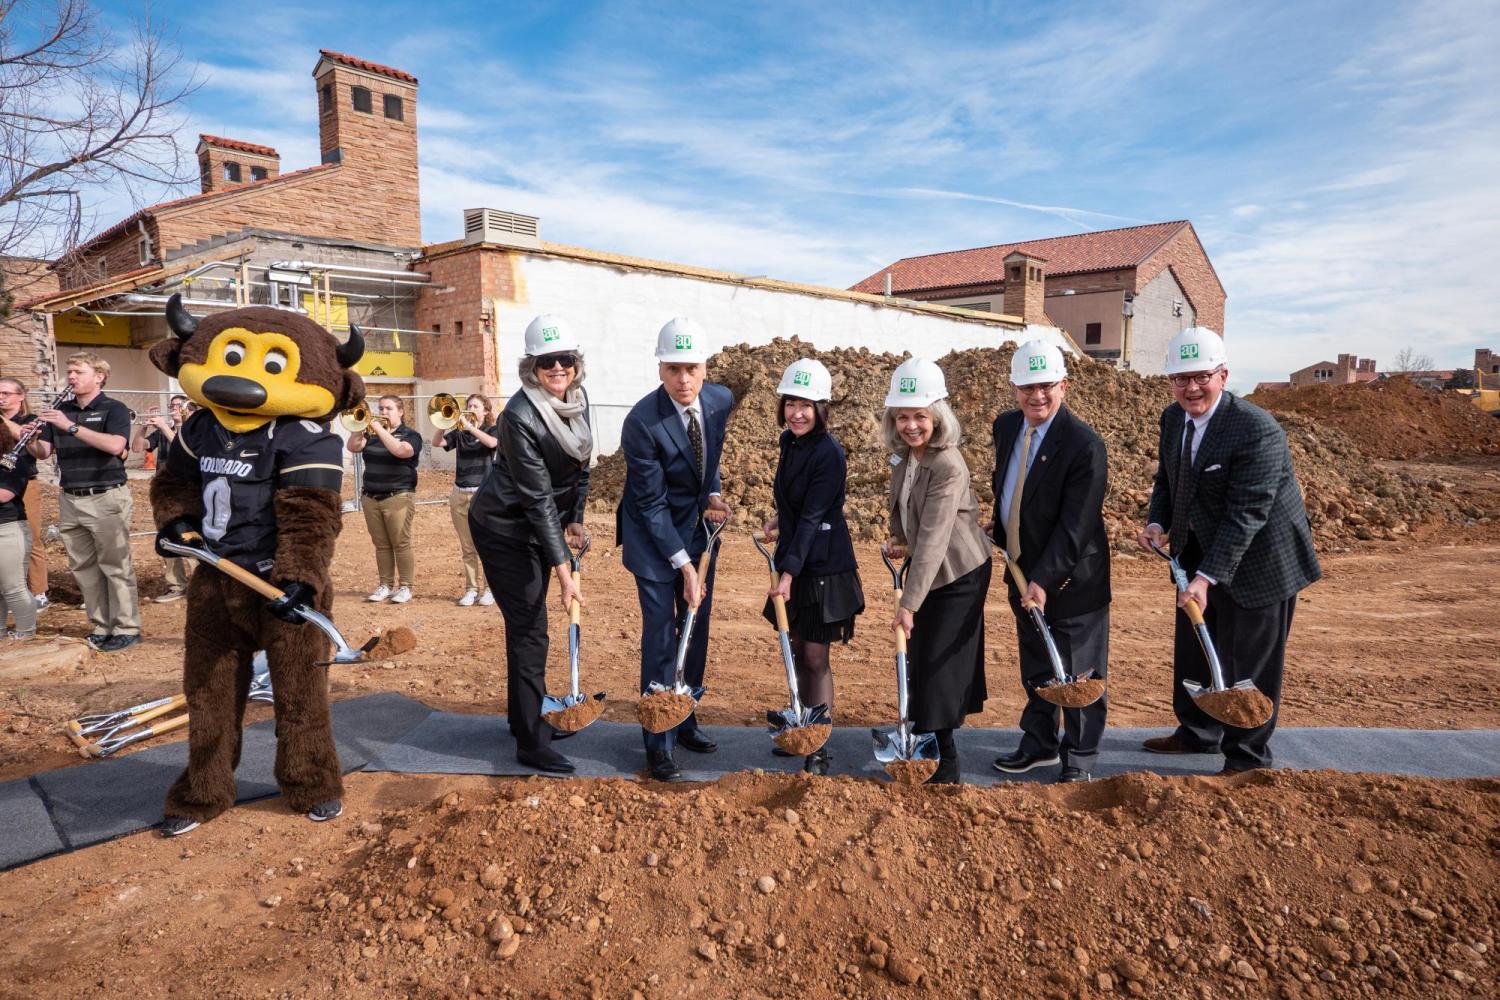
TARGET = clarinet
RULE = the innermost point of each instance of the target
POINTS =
(31, 430)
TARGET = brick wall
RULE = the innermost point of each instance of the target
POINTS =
(24, 353)
(478, 277)
(211, 160)
(1025, 297)
(382, 151)
(1189, 263)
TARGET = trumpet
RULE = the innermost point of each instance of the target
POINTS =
(358, 419)
(445, 412)
(144, 419)
(31, 430)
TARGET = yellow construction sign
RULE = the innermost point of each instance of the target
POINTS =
(74, 327)
(386, 364)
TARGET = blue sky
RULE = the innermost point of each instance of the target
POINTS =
(1339, 160)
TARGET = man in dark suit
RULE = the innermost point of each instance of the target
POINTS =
(1227, 497)
(672, 440)
(1050, 474)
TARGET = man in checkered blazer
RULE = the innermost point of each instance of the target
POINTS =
(1227, 498)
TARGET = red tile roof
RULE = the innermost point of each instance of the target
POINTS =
(1100, 251)
(237, 144)
(367, 66)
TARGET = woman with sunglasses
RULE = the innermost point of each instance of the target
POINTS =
(526, 515)
(474, 438)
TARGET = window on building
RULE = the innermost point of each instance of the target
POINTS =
(458, 328)
(983, 307)
(1093, 333)
(1015, 272)
(393, 109)
(205, 174)
(326, 102)
(258, 173)
(437, 328)
(231, 171)
(362, 100)
(143, 250)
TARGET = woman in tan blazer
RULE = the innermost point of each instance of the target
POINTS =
(934, 520)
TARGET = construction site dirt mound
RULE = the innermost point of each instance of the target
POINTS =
(1392, 418)
(1278, 883)
(1348, 496)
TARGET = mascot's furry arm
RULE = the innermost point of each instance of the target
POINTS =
(308, 522)
(174, 498)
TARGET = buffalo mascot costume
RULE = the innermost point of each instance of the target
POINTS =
(255, 476)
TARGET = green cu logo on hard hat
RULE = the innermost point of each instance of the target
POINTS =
(1188, 352)
(908, 385)
(801, 378)
(1037, 362)
(549, 334)
(682, 342)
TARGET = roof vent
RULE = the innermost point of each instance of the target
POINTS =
(490, 225)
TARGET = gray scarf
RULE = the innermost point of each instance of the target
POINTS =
(566, 420)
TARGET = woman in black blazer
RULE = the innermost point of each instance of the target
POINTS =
(819, 579)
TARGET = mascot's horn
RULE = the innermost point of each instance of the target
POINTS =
(179, 319)
(351, 350)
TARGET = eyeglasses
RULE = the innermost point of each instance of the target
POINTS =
(1036, 387)
(1202, 378)
(556, 361)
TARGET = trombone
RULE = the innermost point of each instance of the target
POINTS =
(358, 419)
(445, 412)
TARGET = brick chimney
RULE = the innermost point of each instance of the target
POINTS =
(1025, 286)
(228, 163)
(1367, 365)
(367, 123)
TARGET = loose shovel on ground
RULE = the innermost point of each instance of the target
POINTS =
(113, 742)
(343, 652)
(662, 708)
(909, 758)
(797, 729)
(573, 711)
(1242, 705)
(1064, 689)
(89, 730)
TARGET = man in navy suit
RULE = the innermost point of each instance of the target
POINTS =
(672, 440)
(1227, 499)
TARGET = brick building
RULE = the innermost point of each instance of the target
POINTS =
(1120, 293)
(1348, 369)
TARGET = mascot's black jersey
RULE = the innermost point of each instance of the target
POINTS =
(241, 473)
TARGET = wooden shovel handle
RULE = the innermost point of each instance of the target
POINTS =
(178, 702)
(1194, 613)
(169, 725)
(239, 573)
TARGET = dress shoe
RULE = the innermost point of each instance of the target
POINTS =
(663, 767)
(1071, 774)
(816, 762)
(560, 734)
(1021, 761)
(544, 759)
(176, 826)
(1230, 770)
(778, 752)
(326, 810)
(946, 773)
(1174, 744)
(115, 643)
(695, 741)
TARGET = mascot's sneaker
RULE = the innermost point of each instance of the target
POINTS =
(401, 596)
(174, 594)
(381, 593)
(467, 601)
(325, 810)
(487, 598)
(176, 826)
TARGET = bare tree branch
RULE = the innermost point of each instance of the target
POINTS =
(1409, 359)
(80, 109)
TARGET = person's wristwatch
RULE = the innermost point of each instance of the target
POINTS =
(73, 429)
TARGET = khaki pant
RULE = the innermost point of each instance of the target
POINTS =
(15, 544)
(96, 533)
(389, 521)
(458, 507)
(176, 572)
(36, 567)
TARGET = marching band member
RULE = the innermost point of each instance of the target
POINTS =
(391, 452)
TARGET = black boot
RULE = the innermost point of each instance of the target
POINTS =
(947, 772)
(817, 761)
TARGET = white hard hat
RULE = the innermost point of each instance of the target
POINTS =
(682, 341)
(916, 383)
(547, 334)
(1037, 361)
(806, 378)
(1196, 349)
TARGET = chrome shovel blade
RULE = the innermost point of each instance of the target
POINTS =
(788, 718)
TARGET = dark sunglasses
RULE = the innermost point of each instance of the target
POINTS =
(557, 361)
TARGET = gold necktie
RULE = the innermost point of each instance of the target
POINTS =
(1013, 516)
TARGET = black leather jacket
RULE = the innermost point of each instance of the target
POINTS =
(535, 489)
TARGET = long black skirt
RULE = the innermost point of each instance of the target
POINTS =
(822, 608)
(945, 655)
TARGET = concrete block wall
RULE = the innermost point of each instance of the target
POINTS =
(1194, 273)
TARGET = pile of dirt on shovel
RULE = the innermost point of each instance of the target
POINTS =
(1392, 418)
(1280, 884)
(1347, 495)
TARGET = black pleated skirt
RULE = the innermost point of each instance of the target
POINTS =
(945, 655)
(822, 608)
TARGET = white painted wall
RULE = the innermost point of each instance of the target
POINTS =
(1162, 311)
(617, 312)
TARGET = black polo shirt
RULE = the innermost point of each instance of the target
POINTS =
(240, 474)
(15, 480)
(474, 459)
(157, 441)
(81, 466)
(384, 473)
